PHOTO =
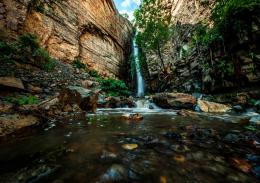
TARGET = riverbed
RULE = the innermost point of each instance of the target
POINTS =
(163, 147)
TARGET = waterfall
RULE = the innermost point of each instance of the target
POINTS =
(140, 80)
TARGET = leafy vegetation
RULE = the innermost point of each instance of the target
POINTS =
(78, 64)
(94, 73)
(23, 100)
(114, 87)
(156, 30)
(26, 49)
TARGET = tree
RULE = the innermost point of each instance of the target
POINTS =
(154, 28)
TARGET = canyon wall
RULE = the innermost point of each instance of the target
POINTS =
(89, 30)
(186, 64)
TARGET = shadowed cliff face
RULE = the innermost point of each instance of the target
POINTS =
(91, 30)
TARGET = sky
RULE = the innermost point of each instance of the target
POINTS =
(127, 6)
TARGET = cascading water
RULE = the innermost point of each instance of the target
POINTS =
(140, 80)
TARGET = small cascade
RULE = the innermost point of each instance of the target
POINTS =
(145, 104)
(140, 80)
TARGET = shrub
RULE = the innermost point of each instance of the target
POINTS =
(44, 60)
(24, 100)
(27, 49)
(94, 73)
(78, 64)
(114, 87)
(6, 51)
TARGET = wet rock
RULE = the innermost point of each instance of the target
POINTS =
(5, 107)
(13, 122)
(115, 173)
(180, 148)
(86, 99)
(133, 116)
(179, 158)
(241, 165)
(116, 102)
(89, 84)
(34, 89)
(36, 174)
(174, 100)
(172, 135)
(213, 107)
(253, 158)
(256, 171)
(232, 138)
(108, 156)
(255, 120)
(238, 108)
(189, 113)
(130, 146)
(11, 82)
(48, 103)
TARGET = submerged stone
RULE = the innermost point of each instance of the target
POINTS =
(114, 174)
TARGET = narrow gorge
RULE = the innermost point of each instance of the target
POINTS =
(104, 91)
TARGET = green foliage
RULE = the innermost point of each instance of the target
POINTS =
(37, 5)
(94, 73)
(206, 36)
(255, 102)
(27, 50)
(125, 15)
(225, 67)
(78, 64)
(114, 87)
(23, 100)
(47, 63)
(6, 51)
(250, 128)
(227, 13)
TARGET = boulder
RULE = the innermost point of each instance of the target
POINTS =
(11, 123)
(133, 116)
(34, 89)
(214, 107)
(116, 102)
(89, 84)
(12, 82)
(174, 100)
(5, 107)
(255, 120)
(84, 98)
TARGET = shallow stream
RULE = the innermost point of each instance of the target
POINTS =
(164, 147)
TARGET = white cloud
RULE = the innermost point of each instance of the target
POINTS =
(127, 3)
(138, 2)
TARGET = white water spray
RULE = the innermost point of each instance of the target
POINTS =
(140, 80)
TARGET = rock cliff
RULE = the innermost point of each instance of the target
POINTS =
(193, 69)
(89, 30)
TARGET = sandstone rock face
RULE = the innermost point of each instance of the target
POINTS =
(92, 30)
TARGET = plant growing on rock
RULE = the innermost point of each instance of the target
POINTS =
(26, 49)
(114, 87)
(23, 100)
(78, 64)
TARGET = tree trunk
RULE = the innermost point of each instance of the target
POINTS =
(160, 56)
